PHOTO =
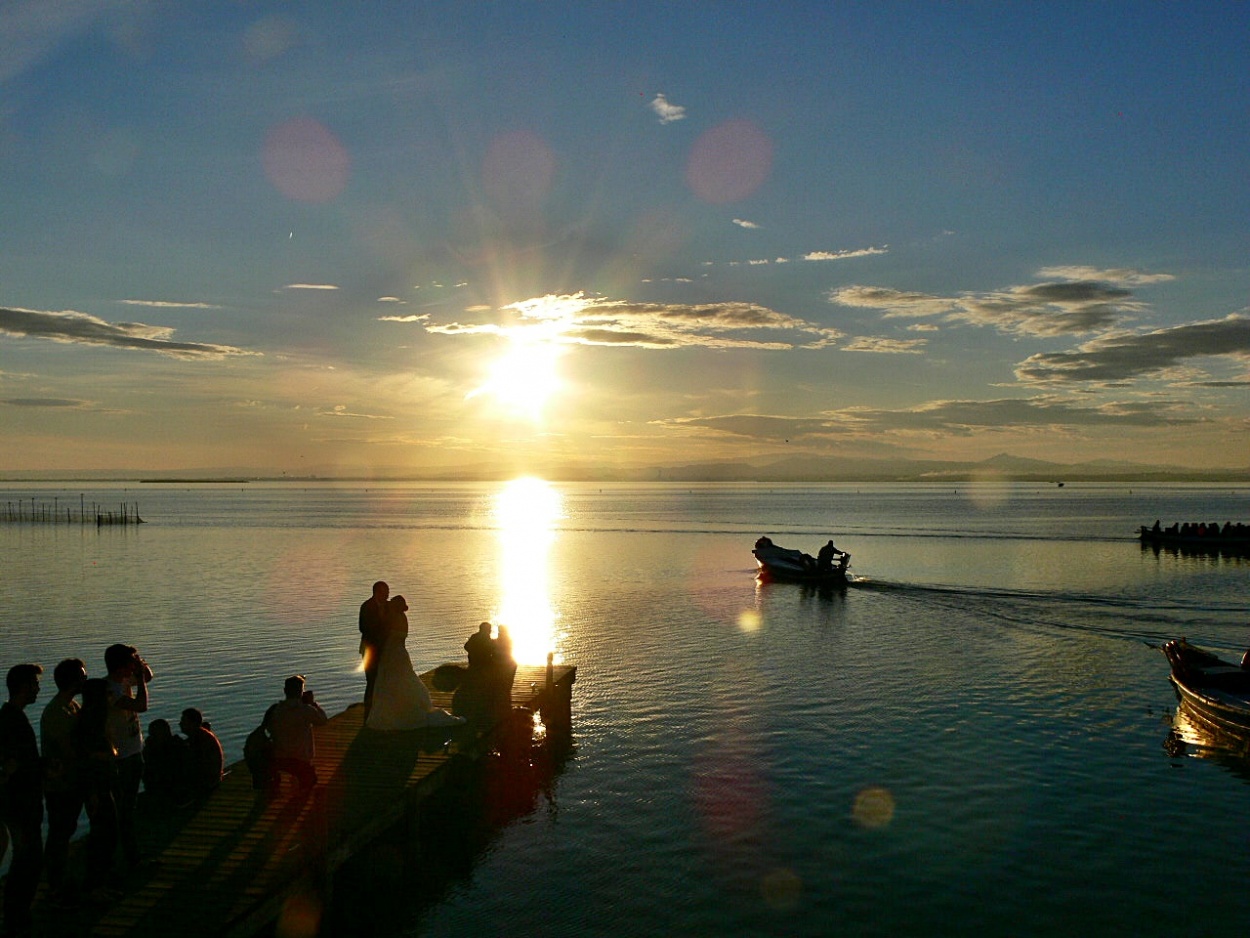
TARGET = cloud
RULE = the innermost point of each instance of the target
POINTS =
(1052, 308)
(411, 317)
(869, 343)
(32, 29)
(579, 319)
(1122, 276)
(168, 304)
(1123, 356)
(667, 111)
(896, 303)
(948, 418)
(843, 255)
(340, 410)
(43, 402)
(310, 286)
(81, 328)
(743, 223)
(392, 299)
(963, 417)
(765, 427)
(1049, 309)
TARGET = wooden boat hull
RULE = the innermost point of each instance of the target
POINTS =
(1214, 692)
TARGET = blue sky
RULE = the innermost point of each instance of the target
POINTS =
(378, 238)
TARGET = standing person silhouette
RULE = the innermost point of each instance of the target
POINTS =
(21, 796)
(128, 676)
(373, 632)
(62, 784)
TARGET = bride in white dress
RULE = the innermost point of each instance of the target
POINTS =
(400, 699)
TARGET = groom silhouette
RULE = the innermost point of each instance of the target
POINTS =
(373, 629)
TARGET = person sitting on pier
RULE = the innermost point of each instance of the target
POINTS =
(164, 764)
(480, 648)
(474, 698)
(400, 698)
(291, 721)
(505, 670)
(205, 757)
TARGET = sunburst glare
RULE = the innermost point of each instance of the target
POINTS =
(527, 510)
(525, 378)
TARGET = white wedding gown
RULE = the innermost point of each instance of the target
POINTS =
(400, 699)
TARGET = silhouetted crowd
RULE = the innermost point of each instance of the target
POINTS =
(90, 754)
(1211, 529)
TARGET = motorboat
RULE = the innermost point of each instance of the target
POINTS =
(1215, 692)
(787, 565)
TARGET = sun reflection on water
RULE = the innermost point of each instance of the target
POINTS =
(527, 511)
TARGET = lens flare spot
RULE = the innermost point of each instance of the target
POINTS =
(873, 808)
(749, 620)
(781, 889)
(300, 917)
(517, 172)
(729, 162)
(305, 161)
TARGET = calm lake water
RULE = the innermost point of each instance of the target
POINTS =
(969, 739)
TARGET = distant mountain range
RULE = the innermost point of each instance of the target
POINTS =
(814, 469)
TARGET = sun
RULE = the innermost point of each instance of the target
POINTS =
(525, 378)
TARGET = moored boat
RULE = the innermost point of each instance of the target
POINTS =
(1214, 691)
(785, 564)
(1208, 538)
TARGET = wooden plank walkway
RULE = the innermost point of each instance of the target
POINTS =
(235, 863)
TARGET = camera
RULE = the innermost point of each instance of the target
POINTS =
(141, 668)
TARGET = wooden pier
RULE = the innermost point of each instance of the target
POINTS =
(236, 863)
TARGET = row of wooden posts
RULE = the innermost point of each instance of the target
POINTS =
(41, 511)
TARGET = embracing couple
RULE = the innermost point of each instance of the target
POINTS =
(395, 697)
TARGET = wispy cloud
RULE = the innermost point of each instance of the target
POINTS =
(1053, 308)
(584, 320)
(310, 286)
(896, 303)
(869, 343)
(1121, 276)
(1123, 356)
(843, 255)
(168, 304)
(340, 410)
(958, 418)
(392, 299)
(81, 328)
(666, 110)
(411, 317)
(43, 402)
(743, 223)
(964, 417)
(30, 29)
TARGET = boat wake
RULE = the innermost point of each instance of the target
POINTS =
(1138, 618)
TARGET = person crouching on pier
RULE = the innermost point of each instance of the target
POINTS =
(205, 759)
(291, 721)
